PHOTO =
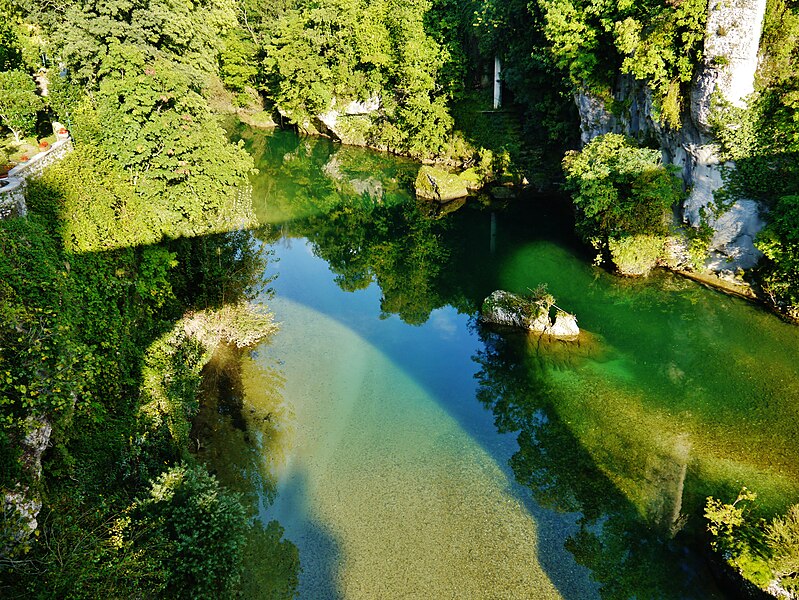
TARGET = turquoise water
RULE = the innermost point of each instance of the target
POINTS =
(415, 453)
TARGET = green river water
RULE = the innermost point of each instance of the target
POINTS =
(410, 452)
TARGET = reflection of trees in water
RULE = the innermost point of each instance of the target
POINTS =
(355, 207)
(242, 432)
(394, 246)
(630, 553)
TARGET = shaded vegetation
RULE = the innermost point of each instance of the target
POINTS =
(130, 268)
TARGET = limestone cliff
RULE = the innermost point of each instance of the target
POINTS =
(727, 73)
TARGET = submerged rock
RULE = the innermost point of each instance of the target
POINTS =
(513, 310)
(437, 184)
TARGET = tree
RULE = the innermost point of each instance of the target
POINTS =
(19, 102)
(172, 167)
(199, 526)
(187, 31)
(782, 537)
(10, 53)
(623, 194)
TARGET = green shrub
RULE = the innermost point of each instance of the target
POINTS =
(621, 190)
(636, 254)
(782, 537)
(200, 528)
(762, 552)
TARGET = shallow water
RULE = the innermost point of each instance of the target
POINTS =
(414, 453)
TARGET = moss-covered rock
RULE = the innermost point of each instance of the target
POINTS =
(433, 183)
(472, 178)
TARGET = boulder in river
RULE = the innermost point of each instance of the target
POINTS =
(531, 313)
(433, 183)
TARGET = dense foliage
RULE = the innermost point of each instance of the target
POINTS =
(593, 42)
(766, 553)
(81, 350)
(324, 55)
(134, 230)
(19, 102)
(623, 195)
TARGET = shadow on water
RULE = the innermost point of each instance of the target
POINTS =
(241, 440)
(420, 265)
(320, 555)
(630, 554)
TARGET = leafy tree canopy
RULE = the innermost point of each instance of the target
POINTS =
(19, 102)
(620, 188)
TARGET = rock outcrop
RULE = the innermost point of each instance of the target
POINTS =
(350, 123)
(732, 39)
(512, 310)
(433, 183)
(21, 505)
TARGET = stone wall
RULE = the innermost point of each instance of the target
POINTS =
(12, 194)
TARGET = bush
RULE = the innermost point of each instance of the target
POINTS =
(763, 553)
(782, 536)
(636, 254)
(621, 191)
(201, 528)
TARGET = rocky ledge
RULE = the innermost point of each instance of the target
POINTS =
(530, 313)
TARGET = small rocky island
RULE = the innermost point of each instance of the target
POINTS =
(531, 312)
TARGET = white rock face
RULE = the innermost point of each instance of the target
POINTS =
(20, 504)
(705, 179)
(564, 327)
(732, 246)
(595, 120)
(732, 39)
(366, 107)
(37, 438)
(330, 119)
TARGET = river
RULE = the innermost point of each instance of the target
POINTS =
(408, 451)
